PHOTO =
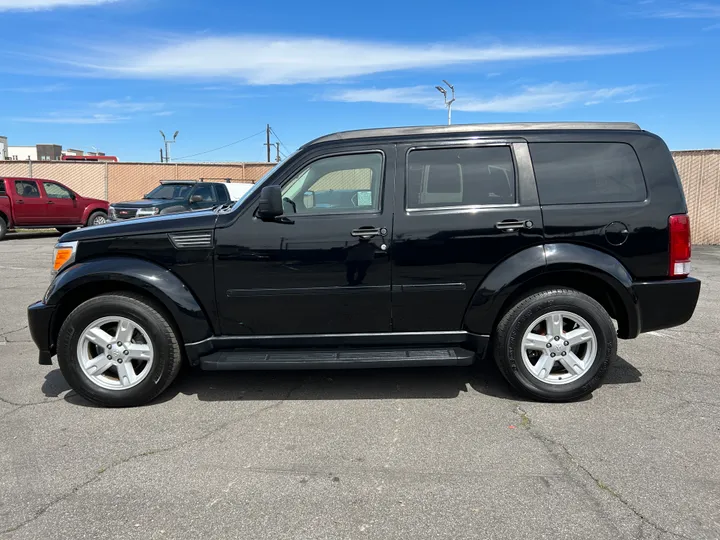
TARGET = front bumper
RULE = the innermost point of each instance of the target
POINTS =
(40, 317)
(664, 304)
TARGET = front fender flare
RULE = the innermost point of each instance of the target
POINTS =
(156, 281)
(507, 277)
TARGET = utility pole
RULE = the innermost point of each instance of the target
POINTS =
(277, 148)
(449, 103)
(267, 141)
(167, 142)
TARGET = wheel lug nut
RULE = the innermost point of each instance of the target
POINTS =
(120, 343)
(563, 353)
(557, 338)
(126, 352)
(567, 343)
(110, 346)
(549, 345)
(119, 360)
(109, 356)
(552, 354)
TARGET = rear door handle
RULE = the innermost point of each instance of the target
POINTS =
(513, 224)
(368, 232)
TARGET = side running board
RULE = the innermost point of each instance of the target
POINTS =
(239, 360)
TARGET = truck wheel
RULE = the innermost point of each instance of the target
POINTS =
(555, 345)
(3, 228)
(97, 218)
(118, 350)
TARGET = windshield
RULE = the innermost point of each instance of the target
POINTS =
(259, 184)
(170, 191)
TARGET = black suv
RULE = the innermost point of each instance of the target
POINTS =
(170, 197)
(389, 247)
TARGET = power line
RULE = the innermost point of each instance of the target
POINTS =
(281, 143)
(221, 147)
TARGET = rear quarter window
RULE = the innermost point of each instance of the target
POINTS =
(577, 173)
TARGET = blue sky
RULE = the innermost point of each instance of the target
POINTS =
(110, 74)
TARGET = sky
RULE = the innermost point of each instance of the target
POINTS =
(110, 74)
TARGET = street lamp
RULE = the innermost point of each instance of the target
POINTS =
(167, 149)
(449, 103)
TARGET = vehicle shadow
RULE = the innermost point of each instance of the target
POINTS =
(401, 383)
(27, 235)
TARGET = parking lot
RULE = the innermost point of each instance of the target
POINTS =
(412, 454)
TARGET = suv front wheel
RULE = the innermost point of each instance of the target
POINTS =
(118, 350)
(555, 345)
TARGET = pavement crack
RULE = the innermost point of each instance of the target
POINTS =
(48, 506)
(552, 446)
(103, 470)
(4, 336)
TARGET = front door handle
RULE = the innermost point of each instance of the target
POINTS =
(20, 201)
(368, 232)
(511, 225)
(50, 202)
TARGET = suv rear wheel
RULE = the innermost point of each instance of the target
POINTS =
(3, 227)
(555, 345)
(118, 350)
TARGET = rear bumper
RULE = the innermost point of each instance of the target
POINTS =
(664, 304)
(40, 322)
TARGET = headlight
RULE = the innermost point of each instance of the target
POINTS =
(63, 256)
(111, 213)
(152, 211)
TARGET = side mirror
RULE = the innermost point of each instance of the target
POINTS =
(196, 198)
(270, 205)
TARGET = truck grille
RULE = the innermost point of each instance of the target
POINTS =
(125, 213)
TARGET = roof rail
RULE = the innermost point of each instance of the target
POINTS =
(475, 128)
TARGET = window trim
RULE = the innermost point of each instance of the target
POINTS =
(476, 143)
(557, 204)
(306, 164)
(44, 182)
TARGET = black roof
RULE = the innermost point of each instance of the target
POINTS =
(475, 128)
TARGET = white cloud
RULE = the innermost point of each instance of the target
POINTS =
(36, 5)
(258, 60)
(129, 106)
(37, 89)
(683, 10)
(530, 98)
(67, 118)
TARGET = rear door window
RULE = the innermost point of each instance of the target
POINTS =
(576, 173)
(27, 188)
(56, 191)
(451, 177)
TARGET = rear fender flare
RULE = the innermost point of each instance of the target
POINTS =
(509, 276)
(155, 281)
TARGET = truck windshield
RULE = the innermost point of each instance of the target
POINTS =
(170, 191)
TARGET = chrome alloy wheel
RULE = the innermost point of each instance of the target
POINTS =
(559, 347)
(115, 353)
(99, 220)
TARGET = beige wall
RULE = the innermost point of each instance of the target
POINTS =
(699, 171)
(129, 181)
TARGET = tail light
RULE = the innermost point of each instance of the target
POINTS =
(679, 228)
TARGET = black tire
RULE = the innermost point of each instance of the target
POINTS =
(167, 354)
(94, 216)
(63, 230)
(507, 343)
(3, 228)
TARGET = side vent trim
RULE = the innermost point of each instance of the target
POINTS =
(194, 240)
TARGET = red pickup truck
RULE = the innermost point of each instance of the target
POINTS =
(32, 203)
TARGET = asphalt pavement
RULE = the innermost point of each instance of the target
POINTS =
(382, 454)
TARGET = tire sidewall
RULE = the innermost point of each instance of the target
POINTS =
(81, 318)
(94, 215)
(600, 324)
(3, 228)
